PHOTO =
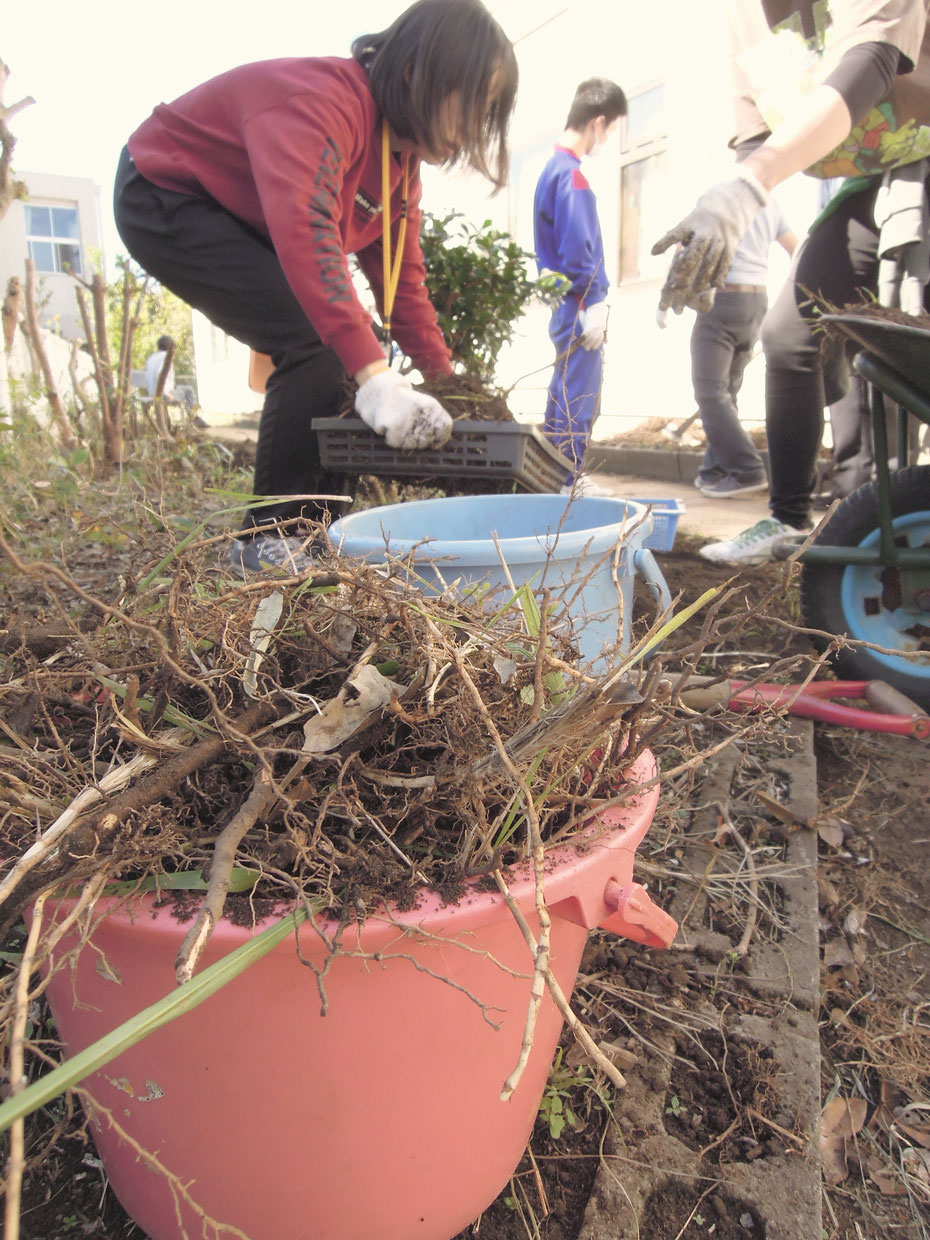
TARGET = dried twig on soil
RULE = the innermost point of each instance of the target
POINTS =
(14, 1166)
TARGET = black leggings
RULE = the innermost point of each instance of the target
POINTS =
(837, 264)
(226, 270)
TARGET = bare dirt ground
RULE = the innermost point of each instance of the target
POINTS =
(874, 795)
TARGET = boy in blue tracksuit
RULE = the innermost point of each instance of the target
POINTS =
(568, 241)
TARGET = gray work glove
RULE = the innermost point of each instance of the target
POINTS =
(593, 326)
(709, 235)
(388, 403)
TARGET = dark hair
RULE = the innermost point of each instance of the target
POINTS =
(164, 344)
(434, 48)
(593, 98)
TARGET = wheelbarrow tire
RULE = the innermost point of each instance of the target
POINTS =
(852, 600)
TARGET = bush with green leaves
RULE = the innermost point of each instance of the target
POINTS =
(480, 282)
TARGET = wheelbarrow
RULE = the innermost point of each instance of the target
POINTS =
(866, 576)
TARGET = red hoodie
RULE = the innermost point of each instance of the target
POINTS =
(293, 148)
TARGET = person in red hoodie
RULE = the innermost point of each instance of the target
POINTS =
(246, 196)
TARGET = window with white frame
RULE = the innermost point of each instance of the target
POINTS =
(643, 143)
(53, 234)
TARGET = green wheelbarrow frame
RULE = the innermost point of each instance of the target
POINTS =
(895, 361)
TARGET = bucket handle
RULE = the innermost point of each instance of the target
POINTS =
(645, 562)
(637, 917)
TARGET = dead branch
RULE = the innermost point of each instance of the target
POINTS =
(10, 188)
(158, 396)
(59, 416)
(50, 839)
(112, 448)
(743, 946)
(16, 1075)
(79, 401)
(221, 867)
(12, 308)
(173, 772)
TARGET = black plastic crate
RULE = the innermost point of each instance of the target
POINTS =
(476, 451)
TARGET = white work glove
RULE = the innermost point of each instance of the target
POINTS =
(593, 326)
(388, 403)
(709, 236)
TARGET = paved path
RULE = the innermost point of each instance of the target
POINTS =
(710, 518)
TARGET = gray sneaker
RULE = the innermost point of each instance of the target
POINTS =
(267, 552)
(729, 486)
(753, 546)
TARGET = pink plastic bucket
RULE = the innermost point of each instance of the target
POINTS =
(379, 1119)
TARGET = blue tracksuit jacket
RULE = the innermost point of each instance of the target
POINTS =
(568, 240)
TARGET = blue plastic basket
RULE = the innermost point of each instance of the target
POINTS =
(665, 514)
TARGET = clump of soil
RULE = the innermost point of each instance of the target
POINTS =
(716, 1084)
(466, 396)
(685, 1212)
(461, 395)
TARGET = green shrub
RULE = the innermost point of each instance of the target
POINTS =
(480, 282)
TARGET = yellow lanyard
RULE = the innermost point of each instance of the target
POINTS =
(392, 273)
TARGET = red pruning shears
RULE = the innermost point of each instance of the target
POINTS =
(890, 710)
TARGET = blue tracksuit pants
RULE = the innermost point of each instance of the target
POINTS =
(574, 399)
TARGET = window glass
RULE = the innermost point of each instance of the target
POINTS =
(645, 115)
(64, 222)
(38, 221)
(640, 187)
(42, 254)
(61, 253)
(69, 258)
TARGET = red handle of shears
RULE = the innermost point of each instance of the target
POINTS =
(808, 702)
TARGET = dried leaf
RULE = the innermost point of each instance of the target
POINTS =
(827, 891)
(505, 668)
(921, 1136)
(841, 1119)
(830, 831)
(917, 1164)
(845, 1116)
(889, 1184)
(267, 615)
(363, 696)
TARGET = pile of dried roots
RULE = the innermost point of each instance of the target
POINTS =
(342, 740)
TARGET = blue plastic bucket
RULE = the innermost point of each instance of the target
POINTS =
(586, 550)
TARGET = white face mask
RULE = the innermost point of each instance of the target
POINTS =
(602, 136)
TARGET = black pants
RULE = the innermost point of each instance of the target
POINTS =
(837, 264)
(226, 270)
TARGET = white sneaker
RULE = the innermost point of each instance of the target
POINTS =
(753, 546)
(584, 484)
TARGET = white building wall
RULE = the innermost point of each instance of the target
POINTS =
(222, 374)
(55, 292)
